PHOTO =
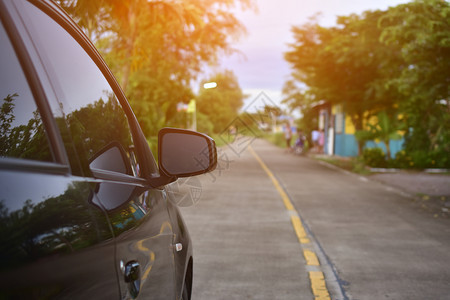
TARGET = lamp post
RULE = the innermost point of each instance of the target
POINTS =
(192, 107)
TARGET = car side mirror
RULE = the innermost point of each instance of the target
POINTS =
(184, 153)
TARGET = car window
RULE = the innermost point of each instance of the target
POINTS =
(90, 118)
(22, 133)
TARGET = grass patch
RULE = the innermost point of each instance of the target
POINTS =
(353, 164)
(276, 138)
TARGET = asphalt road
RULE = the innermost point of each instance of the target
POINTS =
(371, 242)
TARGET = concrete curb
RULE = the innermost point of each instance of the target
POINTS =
(394, 170)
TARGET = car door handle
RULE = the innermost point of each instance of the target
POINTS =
(132, 275)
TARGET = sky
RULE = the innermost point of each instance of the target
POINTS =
(260, 66)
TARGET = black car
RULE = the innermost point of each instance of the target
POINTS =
(84, 211)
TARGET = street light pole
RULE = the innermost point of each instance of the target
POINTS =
(192, 107)
(194, 121)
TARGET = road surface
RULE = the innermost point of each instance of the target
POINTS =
(366, 239)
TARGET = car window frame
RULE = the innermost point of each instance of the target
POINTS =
(148, 165)
(59, 165)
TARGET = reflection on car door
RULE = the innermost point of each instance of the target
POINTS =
(93, 125)
(143, 236)
(55, 243)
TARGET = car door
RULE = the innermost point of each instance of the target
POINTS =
(55, 243)
(106, 148)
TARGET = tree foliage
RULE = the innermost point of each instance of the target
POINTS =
(221, 104)
(341, 64)
(27, 140)
(421, 30)
(156, 48)
(395, 61)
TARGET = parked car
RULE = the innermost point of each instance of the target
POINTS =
(84, 211)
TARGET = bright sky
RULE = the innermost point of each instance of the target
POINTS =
(262, 67)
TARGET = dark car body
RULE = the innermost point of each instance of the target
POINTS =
(84, 211)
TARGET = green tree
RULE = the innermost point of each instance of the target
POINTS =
(221, 104)
(299, 98)
(6, 119)
(23, 140)
(341, 65)
(156, 48)
(421, 30)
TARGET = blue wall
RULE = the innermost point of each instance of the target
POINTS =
(395, 146)
(346, 145)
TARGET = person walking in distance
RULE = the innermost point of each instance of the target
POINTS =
(288, 135)
(315, 140)
(321, 141)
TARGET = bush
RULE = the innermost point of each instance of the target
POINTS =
(440, 159)
(434, 159)
(374, 157)
(402, 160)
(420, 159)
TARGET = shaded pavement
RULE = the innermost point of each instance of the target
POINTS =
(417, 183)
(430, 192)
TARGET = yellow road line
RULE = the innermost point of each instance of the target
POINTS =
(317, 278)
(275, 182)
(149, 266)
(299, 230)
(311, 258)
(318, 285)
